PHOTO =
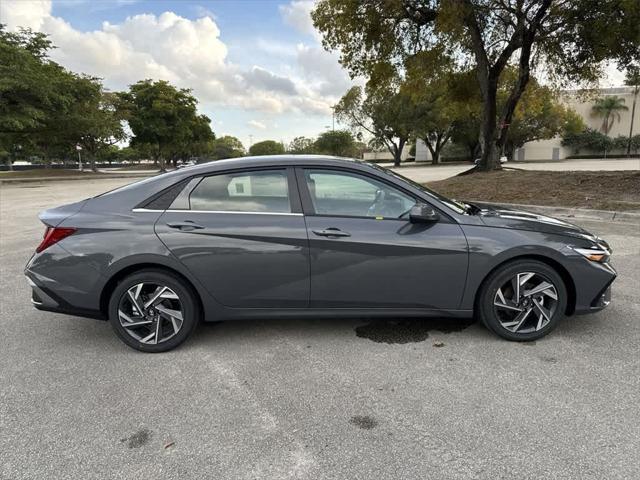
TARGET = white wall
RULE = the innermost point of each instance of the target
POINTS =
(422, 152)
(582, 104)
(386, 154)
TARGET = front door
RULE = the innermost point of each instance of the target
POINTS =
(243, 236)
(365, 253)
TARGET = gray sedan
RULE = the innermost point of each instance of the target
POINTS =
(297, 236)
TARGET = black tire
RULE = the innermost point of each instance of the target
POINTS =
(188, 302)
(489, 314)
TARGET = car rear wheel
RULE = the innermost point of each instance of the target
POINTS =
(153, 311)
(523, 300)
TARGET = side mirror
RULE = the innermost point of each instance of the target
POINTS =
(423, 213)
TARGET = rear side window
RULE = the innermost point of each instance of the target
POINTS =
(260, 191)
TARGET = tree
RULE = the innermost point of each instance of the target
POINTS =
(538, 116)
(128, 154)
(227, 147)
(164, 120)
(267, 147)
(588, 139)
(302, 145)
(97, 119)
(388, 113)
(37, 96)
(444, 97)
(609, 109)
(489, 34)
(336, 142)
(197, 140)
(632, 79)
(25, 90)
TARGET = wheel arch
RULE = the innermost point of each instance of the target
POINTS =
(124, 272)
(556, 265)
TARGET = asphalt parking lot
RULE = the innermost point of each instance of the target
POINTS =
(312, 399)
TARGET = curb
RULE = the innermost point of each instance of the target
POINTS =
(576, 213)
(79, 177)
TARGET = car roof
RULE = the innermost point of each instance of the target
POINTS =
(268, 161)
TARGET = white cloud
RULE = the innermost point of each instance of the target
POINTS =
(188, 53)
(257, 124)
(28, 14)
(264, 79)
(298, 15)
(322, 70)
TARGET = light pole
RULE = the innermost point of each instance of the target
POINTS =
(78, 148)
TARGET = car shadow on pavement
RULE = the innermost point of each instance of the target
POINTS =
(389, 331)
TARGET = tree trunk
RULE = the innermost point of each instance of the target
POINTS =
(434, 151)
(397, 156)
(490, 156)
(473, 151)
(401, 144)
(509, 151)
(633, 114)
(161, 163)
(396, 150)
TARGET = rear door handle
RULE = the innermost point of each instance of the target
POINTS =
(185, 226)
(331, 232)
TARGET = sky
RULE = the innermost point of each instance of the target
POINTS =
(257, 67)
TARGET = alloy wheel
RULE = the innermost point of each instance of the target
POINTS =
(150, 313)
(526, 303)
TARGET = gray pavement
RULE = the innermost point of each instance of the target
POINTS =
(310, 399)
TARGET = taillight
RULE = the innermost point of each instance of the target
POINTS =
(54, 235)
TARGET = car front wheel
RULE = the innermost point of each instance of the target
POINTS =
(523, 300)
(153, 311)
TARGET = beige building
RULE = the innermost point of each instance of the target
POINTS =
(582, 103)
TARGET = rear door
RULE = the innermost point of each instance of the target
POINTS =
(242, 234)
(364, 252)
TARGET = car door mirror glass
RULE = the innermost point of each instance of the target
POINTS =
(423, 213)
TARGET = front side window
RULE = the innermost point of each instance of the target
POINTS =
(350, 194)
(260, 191)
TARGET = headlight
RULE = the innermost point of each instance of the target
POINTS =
(597, 253)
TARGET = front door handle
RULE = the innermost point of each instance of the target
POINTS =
(331, 232)
(185, 226)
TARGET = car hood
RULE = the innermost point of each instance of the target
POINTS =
(506, 217)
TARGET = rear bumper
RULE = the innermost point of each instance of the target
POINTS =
(44, 299)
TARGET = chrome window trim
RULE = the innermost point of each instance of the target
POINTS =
(235, 212)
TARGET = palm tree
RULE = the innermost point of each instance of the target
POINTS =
(632, 80)
(609, 109)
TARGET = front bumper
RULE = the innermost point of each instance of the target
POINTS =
(602, 300)
(594, 287)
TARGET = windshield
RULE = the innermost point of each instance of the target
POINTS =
(454, 205)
